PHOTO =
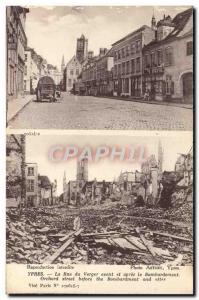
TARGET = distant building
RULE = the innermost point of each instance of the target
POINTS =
(15, 170)
(82, 48)
(74, 66)
(97, 74)
(32, 198)
(71, 73)
(54, 73)
(168, 59)
(45, 191)
(31, 73)
(16, 45)
(127, 51)
(184, 167)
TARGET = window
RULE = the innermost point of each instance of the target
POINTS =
(168, 56)
(127, 51)
(69, 82)
(30, 185)
(160, 57)
(71, 72)
(133, 66)
(119, 54)
(123, 52)
(25, 71)
(77, 71)
(169, 84)
(127, 67)
(25, 84)
(30, 171)
(26, 56)
(138, 46)
(123, 68)
(138, 64)
(189, 48)
(153, 59)
(132, 48)
(119, 69)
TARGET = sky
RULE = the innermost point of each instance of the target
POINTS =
(105, 169)
(53, 30)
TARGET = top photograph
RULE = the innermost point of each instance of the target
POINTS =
(99, 67)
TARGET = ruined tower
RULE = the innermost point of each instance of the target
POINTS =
(82, 170)
(160, 156)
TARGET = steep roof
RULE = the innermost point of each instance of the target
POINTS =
(179, 22)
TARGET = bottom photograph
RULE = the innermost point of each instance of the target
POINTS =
(98, 200)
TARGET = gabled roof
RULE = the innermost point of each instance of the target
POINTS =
(179, 21)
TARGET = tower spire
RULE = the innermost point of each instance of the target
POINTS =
(62, 63)
(153, 21)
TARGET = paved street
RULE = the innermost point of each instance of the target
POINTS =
(84, 112)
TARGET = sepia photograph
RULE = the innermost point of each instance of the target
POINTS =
(99, 67)
(87, 199)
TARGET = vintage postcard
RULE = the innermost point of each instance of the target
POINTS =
(65, 70)
(85, 210)
(99, 150)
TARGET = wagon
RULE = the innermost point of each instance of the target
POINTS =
(46, 89)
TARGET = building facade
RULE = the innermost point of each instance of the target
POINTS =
(168, 60)
(16, 45)
(32, 72)
(32, 198)
(15, 170)
(71, 73)
(97, 74)
(127, 73)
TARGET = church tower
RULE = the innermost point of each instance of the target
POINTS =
(153, 22)
(62, 64)
(82, 170)
(160, 156)
(82, 48)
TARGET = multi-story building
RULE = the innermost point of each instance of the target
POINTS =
(32, 198)
(55, 74)
(31, 73)
(127, 51)
(184, 167)
(97, 74)
(16, 45)
(71, 73)
(15, 170)
(168, 60)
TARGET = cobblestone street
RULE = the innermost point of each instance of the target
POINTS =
(86, 112)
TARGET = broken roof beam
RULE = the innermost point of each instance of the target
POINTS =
(51, 258)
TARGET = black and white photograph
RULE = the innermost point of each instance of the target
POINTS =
(87, 199)
(99, 67)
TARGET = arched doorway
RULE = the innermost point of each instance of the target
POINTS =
(187, 87)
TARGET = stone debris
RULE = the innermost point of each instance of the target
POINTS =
(109, 234)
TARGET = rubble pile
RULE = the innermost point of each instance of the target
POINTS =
(106, 234)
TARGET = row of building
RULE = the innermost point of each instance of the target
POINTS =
(25, 186)
(157, 60)
(24, 65)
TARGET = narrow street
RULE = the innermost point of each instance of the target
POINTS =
(87, 112)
